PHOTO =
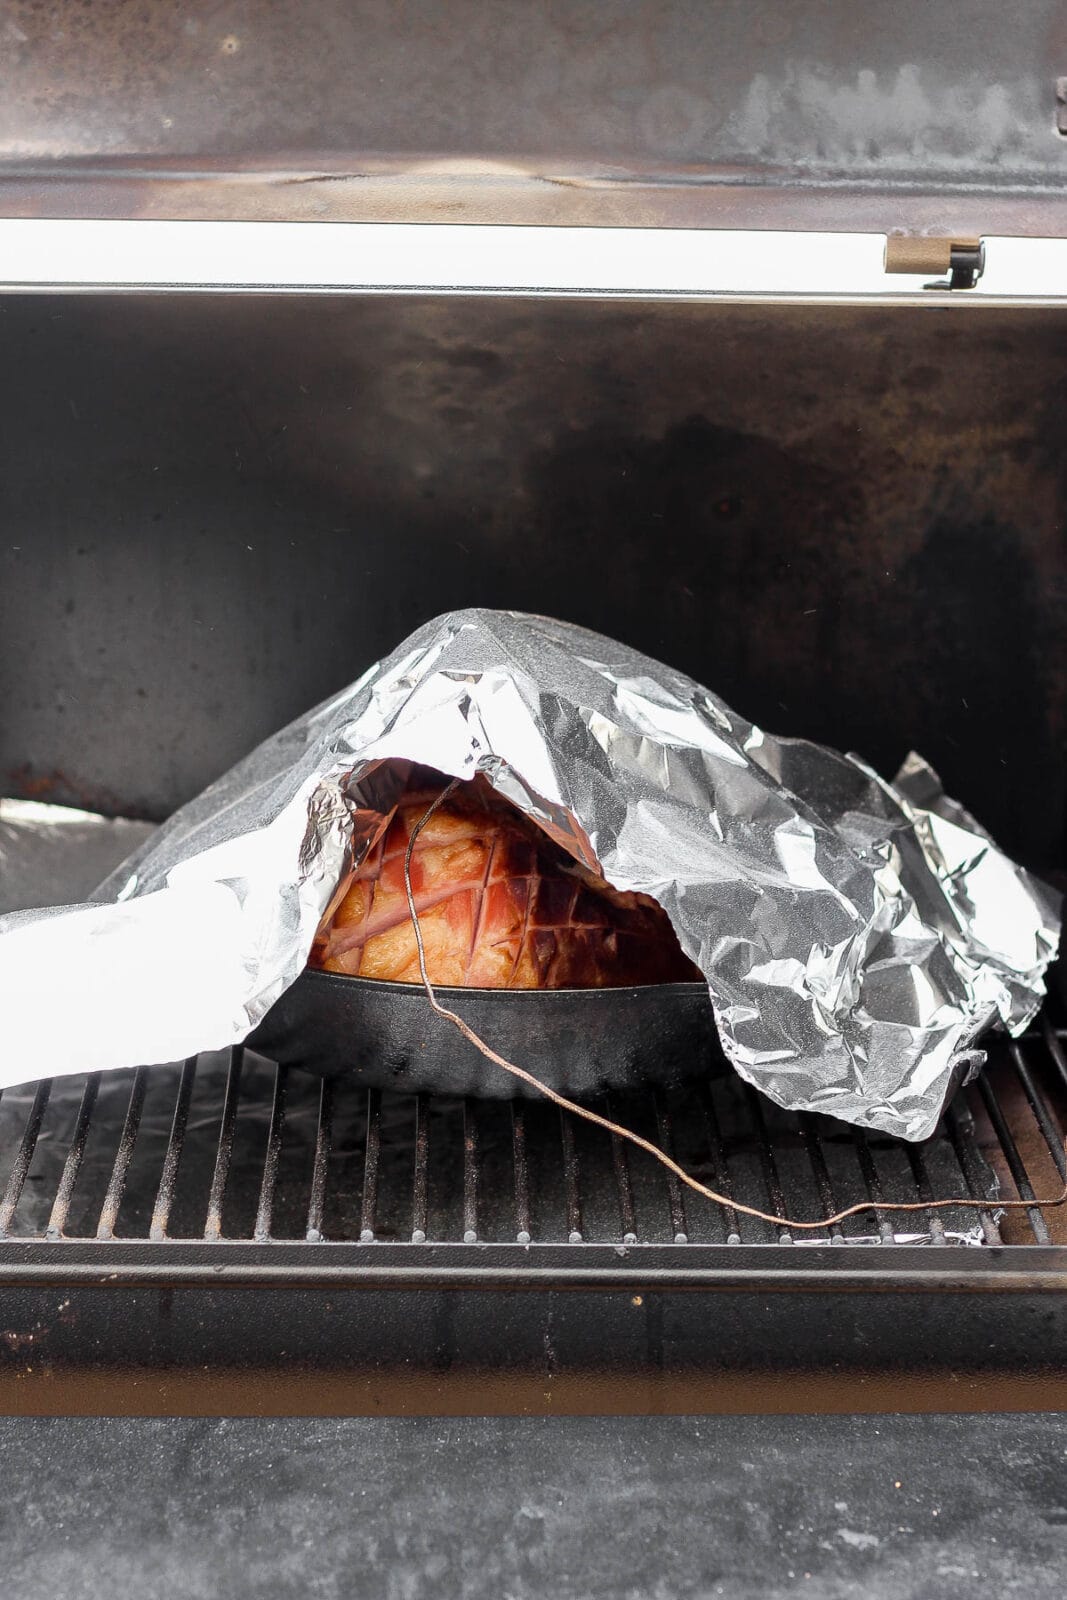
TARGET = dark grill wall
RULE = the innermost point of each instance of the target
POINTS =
(216, 510)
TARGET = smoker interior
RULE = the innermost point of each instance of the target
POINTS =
(219, 509)
(847, 520)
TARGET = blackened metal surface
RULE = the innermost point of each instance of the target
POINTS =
(669, 111)
(179, 1348)
(222, 1235)
(217, 511)
(846, 1508)
(173, 1154)
(580, 1042)
(178, 1156)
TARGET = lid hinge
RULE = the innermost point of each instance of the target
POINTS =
(962, 259)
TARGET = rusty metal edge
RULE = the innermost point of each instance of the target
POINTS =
(282, 192)
(290, 1264)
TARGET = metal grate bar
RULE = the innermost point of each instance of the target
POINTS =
(116, 1187)
(470, 1174)
(767, 1162)
(213, 1222)
(24, 1155)
(267, 1188)
(320, 1166)
(523, 1224)
(925, 1191)
(720, 1171)
(571, 1179)
(623, 1185)
(872, 1183)
(372, 1150)
(1012, 1157)
(679, 1224)
(172, 1159)
(1042, 1115)
(968, 1166)
(71, 1166)
(820, 1172)
(750, 1150)
(420, 1196)
(1052, 1037)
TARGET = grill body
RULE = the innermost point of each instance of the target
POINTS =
(848, 519)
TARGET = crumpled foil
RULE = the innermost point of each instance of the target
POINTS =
(857, 936)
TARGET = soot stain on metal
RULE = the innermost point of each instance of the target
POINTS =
(802, 452)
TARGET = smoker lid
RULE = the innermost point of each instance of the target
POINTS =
(823, 114)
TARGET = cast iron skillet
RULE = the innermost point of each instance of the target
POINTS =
(578, 1041)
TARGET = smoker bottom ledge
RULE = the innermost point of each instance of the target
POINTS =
(884, 1508)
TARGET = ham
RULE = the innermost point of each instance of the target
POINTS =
(500, 906)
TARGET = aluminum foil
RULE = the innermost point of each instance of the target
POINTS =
(857, 937)
(51, 855)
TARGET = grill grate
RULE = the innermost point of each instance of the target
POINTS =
(228, 1147)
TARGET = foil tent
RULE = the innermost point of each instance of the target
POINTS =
(857, 936)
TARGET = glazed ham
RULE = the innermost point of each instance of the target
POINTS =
(500, 906)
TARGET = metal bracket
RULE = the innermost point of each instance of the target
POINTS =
(962, 259)
(1061, 105)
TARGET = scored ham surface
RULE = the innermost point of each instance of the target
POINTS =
(500, 906)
